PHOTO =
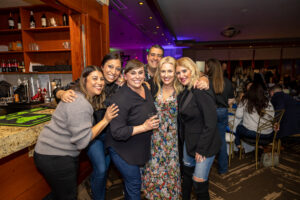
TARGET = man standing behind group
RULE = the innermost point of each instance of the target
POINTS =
(155, 54)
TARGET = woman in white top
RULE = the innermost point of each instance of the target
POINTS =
(254, 106)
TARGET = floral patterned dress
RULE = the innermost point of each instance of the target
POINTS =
(161, 175)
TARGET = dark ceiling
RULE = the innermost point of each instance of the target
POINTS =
(200, 23)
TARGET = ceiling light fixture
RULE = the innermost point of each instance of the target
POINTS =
(141, 3)
(157, 27)
(230, 32)
(150, 17)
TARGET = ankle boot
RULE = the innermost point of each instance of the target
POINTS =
(201, 190)
(187, 182)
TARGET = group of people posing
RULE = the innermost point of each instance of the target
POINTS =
(162, 128)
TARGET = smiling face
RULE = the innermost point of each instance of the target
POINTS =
(94, 83)
(167, 74)
(184, 75)
(111, 70)
(135, 78)
(154, 56)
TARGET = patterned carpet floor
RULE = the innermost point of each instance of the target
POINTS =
(242, 182)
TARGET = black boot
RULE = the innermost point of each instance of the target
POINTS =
(187, 182)
(201, 190)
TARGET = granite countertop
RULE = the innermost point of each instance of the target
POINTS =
(13, 139)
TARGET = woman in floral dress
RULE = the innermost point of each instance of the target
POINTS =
(161, 178)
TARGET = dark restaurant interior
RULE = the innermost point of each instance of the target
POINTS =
(259, 35)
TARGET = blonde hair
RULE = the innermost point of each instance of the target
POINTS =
(189, 64)
(157, 79)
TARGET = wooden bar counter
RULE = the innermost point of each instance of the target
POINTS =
(19, 178)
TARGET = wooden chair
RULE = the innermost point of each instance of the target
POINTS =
(277, 119)
(265, 122)
(229, 136)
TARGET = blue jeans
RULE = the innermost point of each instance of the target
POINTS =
(202, 169)
(222, 114)
(242, 131)
(131, 176)
(100, 162)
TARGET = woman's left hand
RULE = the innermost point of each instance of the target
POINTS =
(202, 83)
(111, 112)
(199, 158)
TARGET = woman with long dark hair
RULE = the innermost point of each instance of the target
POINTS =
(252, 108)
(69, 131)
(224, 94)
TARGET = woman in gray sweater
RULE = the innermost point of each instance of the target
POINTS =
(69, 131)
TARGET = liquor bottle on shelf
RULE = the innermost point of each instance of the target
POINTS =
(19, 23)
(11, 22)
(65, 20)
(32, 21)
(3, 66)
(22, 67)
(8, 66)
(14, 66)
(43, 20)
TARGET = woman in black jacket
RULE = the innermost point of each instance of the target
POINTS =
(197, 129)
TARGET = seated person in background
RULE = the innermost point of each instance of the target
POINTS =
(290, 122)
(253, 106)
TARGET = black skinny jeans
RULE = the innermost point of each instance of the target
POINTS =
(60, 173)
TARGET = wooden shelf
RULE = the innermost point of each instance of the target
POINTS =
(49, 51)
(12, 73)
(51, 40)
(7, 31)
(48, 29)
(52, 72)
(10, 52)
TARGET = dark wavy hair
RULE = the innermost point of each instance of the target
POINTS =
(98, 100)
(111, 56)
(256, 99)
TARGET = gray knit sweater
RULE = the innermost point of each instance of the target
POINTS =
(69, 131)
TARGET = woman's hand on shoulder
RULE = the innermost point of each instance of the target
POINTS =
(202, 83)
(120, 81)
(111, 112)
(68, 96)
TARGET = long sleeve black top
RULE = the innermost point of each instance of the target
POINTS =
(133, 111)
(198, 122)
(228, 93)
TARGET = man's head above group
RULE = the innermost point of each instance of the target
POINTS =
(155, 54)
